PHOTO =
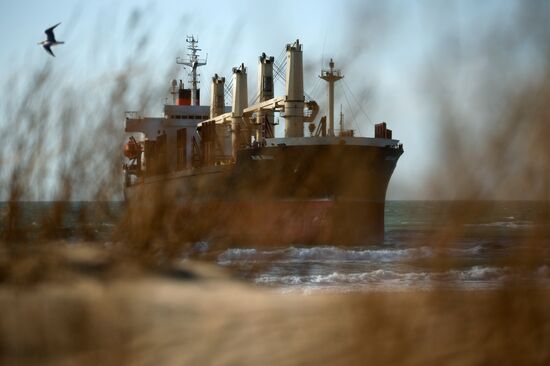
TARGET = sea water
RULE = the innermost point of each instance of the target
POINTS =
(427, 245)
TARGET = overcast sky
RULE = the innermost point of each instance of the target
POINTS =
(385, 49)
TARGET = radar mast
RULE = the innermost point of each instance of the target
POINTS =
(193, 62)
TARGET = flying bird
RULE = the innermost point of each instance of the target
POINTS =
(50, 40)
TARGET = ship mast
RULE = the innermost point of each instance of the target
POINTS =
(331, 76)
(193, 62)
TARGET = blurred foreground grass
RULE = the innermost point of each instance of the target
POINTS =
(110, 312)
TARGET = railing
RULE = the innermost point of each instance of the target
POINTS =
(331, 72)
(345, 133)
(133, 115)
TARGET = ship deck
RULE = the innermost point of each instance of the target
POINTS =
(332, 140)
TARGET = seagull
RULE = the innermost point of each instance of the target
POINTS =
(50, 41)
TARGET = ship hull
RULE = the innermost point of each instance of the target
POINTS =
(279, 195)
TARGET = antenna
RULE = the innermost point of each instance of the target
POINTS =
(193, 62)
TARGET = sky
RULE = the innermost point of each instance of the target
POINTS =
(385, 50)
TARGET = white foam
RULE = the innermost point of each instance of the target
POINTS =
(484, 273)
(479, 273)
(322, 254)
(334, 278)
(338, 254)
(467, 251)
(236, 254)
(474, 277)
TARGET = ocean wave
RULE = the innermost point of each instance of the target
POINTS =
(467, 251)
(335, 278)
(388, 277)
(479, 273)
(505, 224)
(339, 254)
(237, 254)
(325, 254)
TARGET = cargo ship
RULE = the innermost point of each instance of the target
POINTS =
(313, 185)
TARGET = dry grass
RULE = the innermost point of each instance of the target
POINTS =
(213, 320)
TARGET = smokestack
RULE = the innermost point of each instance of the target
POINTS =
(184, 95)
(265, 86)
(240, 102)
(217, 101)
(294, 106)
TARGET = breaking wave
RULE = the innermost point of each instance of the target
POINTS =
(476, 275)
(324, 254)
(480, 273)
(343, 278)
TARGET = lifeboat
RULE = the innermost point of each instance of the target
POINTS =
(132, 149)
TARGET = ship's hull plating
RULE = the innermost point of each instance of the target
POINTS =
(316, 194)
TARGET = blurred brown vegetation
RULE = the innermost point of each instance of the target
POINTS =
(490, 93)
(213, 321)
